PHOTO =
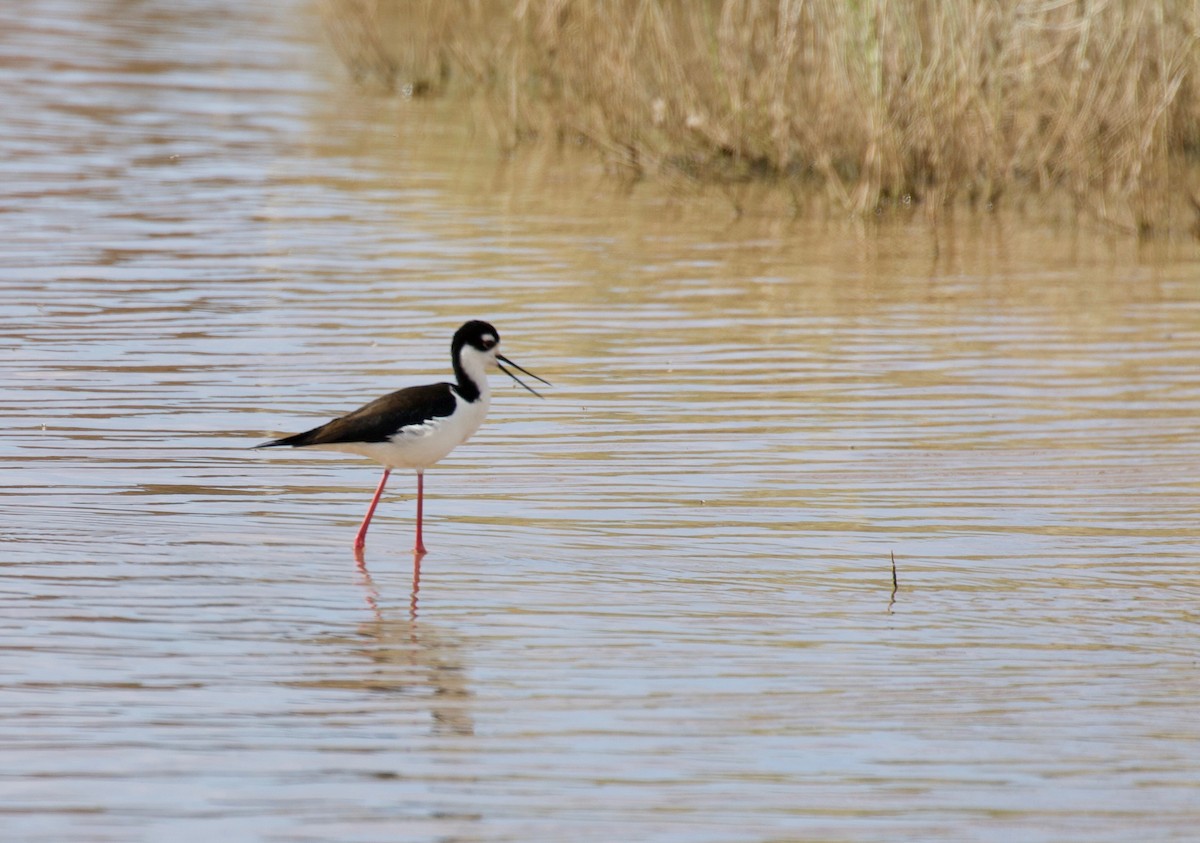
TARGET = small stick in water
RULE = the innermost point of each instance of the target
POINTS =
(895, 584)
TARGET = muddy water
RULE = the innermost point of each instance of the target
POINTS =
(659, 604)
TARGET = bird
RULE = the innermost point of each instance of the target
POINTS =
(415, 427)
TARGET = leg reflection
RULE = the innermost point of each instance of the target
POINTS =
(416, 586)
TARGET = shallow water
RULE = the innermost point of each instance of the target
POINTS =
(659, 604)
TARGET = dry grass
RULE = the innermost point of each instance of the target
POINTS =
(869, 103)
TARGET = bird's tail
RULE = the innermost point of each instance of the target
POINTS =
(299, 440)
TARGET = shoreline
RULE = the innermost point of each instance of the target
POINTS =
(870, 108)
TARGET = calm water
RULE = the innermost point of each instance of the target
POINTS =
(658, 605)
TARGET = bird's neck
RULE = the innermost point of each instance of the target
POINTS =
(472, 377)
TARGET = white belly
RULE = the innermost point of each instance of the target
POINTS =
(420, 446)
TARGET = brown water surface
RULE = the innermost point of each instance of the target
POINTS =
(658, 605)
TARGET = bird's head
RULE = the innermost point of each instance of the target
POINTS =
(476, 347)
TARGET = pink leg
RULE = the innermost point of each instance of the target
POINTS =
(360, 541)
(419, 549)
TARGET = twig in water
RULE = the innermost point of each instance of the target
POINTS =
(895, 584)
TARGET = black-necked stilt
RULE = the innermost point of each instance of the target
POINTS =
(416, 427)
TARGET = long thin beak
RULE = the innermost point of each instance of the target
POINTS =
(501, 360)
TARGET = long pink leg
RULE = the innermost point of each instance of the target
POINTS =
(360, 541)
(419, 549)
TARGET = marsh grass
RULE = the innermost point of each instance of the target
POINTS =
(868, 104)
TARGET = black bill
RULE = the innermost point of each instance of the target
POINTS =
(501, 360)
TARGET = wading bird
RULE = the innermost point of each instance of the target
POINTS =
(415, 427)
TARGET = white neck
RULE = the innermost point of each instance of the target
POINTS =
(475, 365)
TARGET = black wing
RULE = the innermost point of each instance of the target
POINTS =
(380, 420)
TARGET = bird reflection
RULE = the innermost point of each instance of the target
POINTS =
(372, 595)
(409, 657)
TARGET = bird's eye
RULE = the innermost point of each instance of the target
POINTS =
(489, 343)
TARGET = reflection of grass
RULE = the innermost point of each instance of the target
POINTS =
(872, 103)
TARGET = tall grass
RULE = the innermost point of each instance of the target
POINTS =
(868, 103)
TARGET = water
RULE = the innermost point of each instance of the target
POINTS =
(658, 605)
